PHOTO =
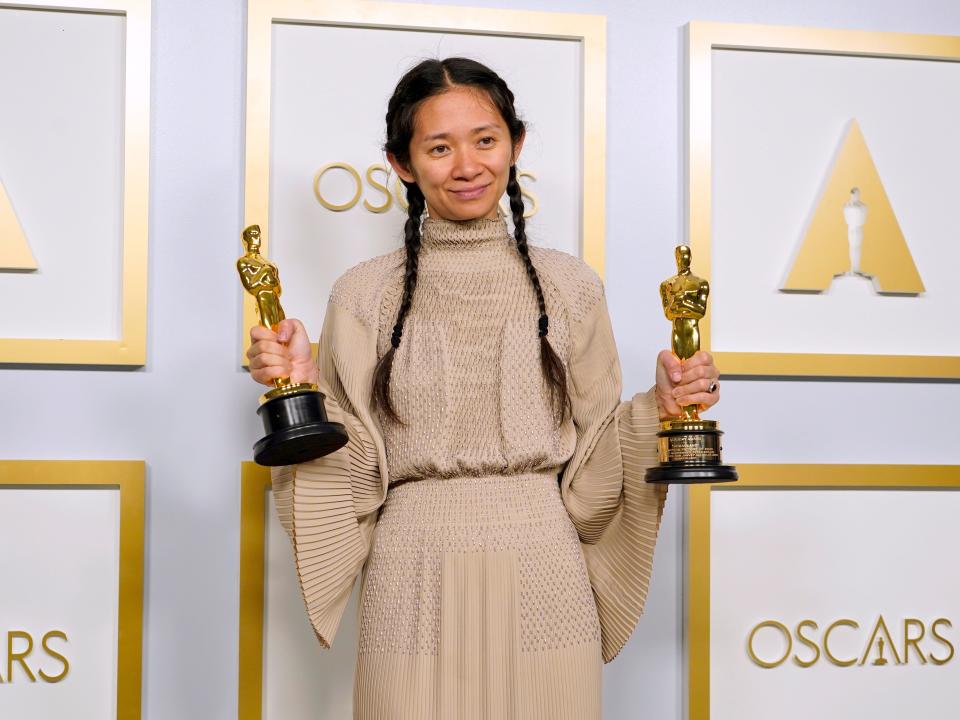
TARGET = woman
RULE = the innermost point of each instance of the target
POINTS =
(472, 371)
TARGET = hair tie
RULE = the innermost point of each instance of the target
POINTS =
(397, 333)
(544, 324)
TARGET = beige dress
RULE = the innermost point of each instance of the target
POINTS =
(514, 557)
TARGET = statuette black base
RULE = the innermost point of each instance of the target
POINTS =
(689, 452)
(297, 430)
(661, 475)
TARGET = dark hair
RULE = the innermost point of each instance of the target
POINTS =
(425, 80)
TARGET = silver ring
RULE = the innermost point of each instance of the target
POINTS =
(713, 387)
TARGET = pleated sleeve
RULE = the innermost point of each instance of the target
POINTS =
(329, 506)
(616, 513)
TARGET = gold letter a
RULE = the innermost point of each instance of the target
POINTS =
(825, 251)
(15, 253)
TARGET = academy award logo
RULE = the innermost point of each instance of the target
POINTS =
(854, 232)
(15, 253)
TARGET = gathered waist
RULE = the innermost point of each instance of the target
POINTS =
(460, 563)
(474, 500)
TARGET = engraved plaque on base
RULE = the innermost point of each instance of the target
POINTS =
(689, 452)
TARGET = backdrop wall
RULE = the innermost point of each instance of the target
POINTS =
(189, 413)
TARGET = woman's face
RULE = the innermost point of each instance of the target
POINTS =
(460, 154)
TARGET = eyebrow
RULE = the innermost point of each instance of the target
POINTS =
(445, 136)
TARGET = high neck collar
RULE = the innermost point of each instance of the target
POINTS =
(482, 231)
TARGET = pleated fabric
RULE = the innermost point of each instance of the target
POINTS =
(616, 512)
(476, 594)
(329, 506)
(504, 557)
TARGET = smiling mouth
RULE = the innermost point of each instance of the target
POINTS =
(470, 193)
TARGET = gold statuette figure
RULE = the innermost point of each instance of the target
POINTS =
(261, 279)
(293, 414)
(684, 298)
(689, 447)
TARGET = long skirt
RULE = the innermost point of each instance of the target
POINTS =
(476, 605)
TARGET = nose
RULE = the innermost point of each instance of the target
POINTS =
(467, 165)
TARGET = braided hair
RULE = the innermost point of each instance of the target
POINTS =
(411, 242)
(553, 369)
(425, 80)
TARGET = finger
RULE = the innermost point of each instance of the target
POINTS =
(694, 373)
(259, 332)
(701, 398)
(668, 403)
(671, 364)
(265, 360)
(701, 357)
(270, 370)
(267, 346)
(697, 386)
(286, 329)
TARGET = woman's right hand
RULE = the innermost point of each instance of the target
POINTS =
(285, 353)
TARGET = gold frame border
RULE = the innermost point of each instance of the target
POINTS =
(131, 348)
(753, 477)
(702, 39)
(254, 482)
(128, 476)
(589, 30)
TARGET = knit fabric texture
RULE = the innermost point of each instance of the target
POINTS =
(516, 555)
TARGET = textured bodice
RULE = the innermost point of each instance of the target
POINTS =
(467, 380)
(470, 594)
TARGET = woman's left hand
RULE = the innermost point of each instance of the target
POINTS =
(695, 381)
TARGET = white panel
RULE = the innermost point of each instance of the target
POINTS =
(190, 668)
(61, 154)
(301, 681)
(59, 571)
(824, 555)
(330, 92)
(778, 120)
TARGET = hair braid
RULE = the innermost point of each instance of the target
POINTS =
(552, 366)
(425, 80)
(411, 231)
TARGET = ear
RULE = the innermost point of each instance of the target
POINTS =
(518, 148)
(402, 172)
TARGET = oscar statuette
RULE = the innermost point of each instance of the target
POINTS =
(688, 447)
(293, 414)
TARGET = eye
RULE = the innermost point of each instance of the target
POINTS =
(438, 149)
(487, 141)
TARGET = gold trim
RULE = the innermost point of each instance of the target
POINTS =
(590, 30)
(131, 348)
(128, 476)
(358, 183)
(15, 253)
(255, 481)
(702, 39)
(752, 477)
